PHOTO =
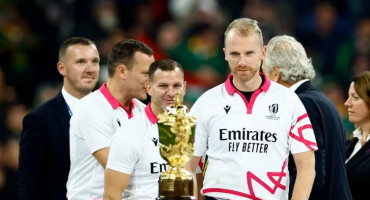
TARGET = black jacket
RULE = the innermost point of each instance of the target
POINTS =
(331, 179)
(44, 152)
(358, 170)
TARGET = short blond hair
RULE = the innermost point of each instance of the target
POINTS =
(244, 26)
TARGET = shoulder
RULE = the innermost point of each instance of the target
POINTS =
(216, 92)
(93, 103)
(134, 128)
(140, 106)
(277, 92)
(47, 108)
(315, 98)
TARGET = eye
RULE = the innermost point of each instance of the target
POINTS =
(80, 61)
(234, 54)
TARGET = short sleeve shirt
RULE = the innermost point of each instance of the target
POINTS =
(248, 143)
(92, 127)
(135, 151)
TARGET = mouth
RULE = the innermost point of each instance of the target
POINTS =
(89, 77)
(351, 113)
(170, 101)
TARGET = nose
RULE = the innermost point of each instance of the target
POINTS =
(243, 61)
(171, 91)
(91, 67)
(347, 103)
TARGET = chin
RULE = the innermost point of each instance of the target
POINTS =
(142, 97)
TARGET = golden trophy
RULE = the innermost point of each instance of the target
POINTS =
(176, 131)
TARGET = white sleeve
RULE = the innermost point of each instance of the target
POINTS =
(201, 131)
(301, 135)
(125, 149)
(95, 128)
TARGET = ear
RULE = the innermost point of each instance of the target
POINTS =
(225, 53)
(122, 71)
(264, 49)
(148, 88)
(61, 68)
(276, 73)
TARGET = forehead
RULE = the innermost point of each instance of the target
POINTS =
(352, 88)
(142, 61)
(235, 41)
(82, 50)
(172, 76)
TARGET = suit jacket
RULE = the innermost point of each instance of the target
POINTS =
(358, 170)
(44, 152)
(331, 179)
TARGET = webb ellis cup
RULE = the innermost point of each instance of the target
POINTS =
(176, 131)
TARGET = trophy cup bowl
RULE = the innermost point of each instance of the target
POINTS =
(176, 131)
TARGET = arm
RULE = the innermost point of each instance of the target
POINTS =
(114, 184)
(199, 186)
(31, 160)
(191, 165)
(102, 156)
(305, 163)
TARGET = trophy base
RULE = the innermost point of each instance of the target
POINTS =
(175, 198)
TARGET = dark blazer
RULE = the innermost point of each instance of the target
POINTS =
(331, 180)
(358, 170)
(44, 152)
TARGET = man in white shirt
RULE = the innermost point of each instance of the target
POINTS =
(44, 148)
(135, 163)
(248, 125)
(102, 113)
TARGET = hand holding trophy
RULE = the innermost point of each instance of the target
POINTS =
(176, 131)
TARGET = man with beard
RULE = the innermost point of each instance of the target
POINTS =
(250, 109)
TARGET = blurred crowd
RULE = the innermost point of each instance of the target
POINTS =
(336, 34)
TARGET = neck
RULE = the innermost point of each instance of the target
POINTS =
(155, 109)
(365, 128)
(75, 93)
(118, 93)
(248, 86)
(284, 83)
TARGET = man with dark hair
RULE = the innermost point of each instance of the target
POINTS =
(44, 148)
(136, 171)
(102, 113)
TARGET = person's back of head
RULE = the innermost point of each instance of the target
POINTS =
(286, 53)
(123, 53)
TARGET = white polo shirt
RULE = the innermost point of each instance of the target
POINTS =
(248, 143)
(135, 151)
(92, 126)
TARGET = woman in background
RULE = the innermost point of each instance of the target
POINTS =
(358, 149)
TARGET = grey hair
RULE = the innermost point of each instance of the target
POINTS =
(286, 53)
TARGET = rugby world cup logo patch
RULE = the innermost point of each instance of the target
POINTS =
(273, 108)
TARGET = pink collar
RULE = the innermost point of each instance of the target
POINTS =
(231, 89)
(149, 113)
(114, 103)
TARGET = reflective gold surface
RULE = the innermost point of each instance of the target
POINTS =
(176, 131)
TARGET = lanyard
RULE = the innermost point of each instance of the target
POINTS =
(69, 109)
